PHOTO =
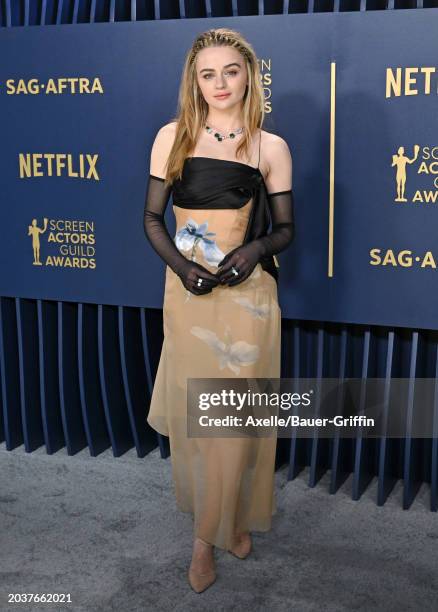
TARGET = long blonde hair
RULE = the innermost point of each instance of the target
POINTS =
(193, 109)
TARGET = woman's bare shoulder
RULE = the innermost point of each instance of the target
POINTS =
(166, 134)
(169, 128)
(278, 157)
(161, 148)
(274, 145)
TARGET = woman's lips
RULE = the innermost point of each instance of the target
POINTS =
(222, 97)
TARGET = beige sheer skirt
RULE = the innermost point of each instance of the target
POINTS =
(227, 484)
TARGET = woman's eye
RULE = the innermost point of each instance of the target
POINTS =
(232, 72)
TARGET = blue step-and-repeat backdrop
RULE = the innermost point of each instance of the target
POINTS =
(352, 95)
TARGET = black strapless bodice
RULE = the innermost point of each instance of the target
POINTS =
(210, 183)
(215, 183)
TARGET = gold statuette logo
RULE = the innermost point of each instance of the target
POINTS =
(399, 161)
(35, 232)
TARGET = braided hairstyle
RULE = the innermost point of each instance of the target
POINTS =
(222, 37)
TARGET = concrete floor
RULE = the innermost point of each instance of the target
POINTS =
(108, 532)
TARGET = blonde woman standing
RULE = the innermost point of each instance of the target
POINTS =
(228, 178)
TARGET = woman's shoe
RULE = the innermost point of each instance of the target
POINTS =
(199, 581)
(243, 547)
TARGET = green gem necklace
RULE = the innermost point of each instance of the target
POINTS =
(220, 136)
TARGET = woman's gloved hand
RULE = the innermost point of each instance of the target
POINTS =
(244, 258)
(190, 272)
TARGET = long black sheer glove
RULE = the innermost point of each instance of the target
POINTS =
(157, 197)
(245, 257)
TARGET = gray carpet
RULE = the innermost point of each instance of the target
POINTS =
(108, 532)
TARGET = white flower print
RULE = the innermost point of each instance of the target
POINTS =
(230, 354)
(257, 312)
(193, 235)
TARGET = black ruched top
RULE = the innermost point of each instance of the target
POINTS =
(215, 183)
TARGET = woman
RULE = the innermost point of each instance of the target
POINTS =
(221, 312)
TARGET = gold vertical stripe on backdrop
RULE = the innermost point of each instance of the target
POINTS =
(332, 166)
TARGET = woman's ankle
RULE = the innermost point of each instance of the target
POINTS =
(204, 542)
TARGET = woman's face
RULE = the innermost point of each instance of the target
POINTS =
(221, 70)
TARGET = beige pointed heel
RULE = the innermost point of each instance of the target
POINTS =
(242, 549)
(200, 581)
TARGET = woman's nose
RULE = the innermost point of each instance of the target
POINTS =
(220, 82)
